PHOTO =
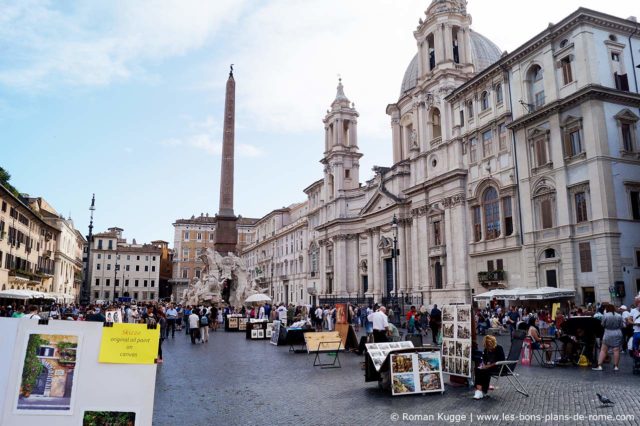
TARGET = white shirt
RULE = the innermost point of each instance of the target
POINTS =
(282, 313)
(261, 313)
(194, 321)
(635, 314)
(379, 320)
(32, 316)
(319, 313)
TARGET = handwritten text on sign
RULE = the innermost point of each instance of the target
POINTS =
(129, 344)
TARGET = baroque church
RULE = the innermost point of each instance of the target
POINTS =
(509, 170)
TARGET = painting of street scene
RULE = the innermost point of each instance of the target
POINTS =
(47, 375)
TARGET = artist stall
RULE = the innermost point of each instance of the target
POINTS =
(232, 322)
(257, 329)
(403, 369)
(457, 340)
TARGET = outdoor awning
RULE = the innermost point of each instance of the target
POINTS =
(59, 297)
(542, 293)
(21, 294)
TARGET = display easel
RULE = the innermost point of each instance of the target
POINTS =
(329, 347)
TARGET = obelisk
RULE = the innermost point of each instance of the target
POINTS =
(226, 231)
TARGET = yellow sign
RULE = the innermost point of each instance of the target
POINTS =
(129, 344)
(554, 310)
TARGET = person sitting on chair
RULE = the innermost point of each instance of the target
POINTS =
(492, 354)
(538, 343)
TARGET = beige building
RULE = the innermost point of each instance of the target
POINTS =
(121, 269)
(191, 239)
(27, 246)
(67, 277)
(517, 169)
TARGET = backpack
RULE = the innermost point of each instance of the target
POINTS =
(204, 321)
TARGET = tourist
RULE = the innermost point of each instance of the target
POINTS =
(435, 321)
(193, 326)
(33, 313)
(380, 323)
(318, 314)
(282, 313)
(612, 338)
(261, 312)
(162, 323)
(187, 322)
(492, 354)
(18, 313)
(180, 319)
(172, 317)
(536, 339)
(411, 320)
(215, 313)
(513, 316)
(267, 310)
(634, 318)
(204, 327)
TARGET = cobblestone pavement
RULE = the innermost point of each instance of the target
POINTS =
(233, 381)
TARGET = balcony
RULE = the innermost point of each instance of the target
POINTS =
(21, 275)
(492, 279)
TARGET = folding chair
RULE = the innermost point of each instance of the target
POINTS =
(509, 365)
(540, 354)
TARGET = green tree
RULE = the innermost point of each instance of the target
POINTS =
(5, 176)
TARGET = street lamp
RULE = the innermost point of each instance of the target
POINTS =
(85, 294)
(395, 254)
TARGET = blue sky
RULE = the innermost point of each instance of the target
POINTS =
(125, 98)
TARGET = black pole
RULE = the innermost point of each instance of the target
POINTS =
(85, 293)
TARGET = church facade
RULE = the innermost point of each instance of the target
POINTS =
(509, 170)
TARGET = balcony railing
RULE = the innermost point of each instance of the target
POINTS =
(491, 276)
(27, 275)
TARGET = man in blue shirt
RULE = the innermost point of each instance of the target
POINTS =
(512, 319)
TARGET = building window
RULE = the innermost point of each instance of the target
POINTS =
(185, 254)
(473, 150)
(107, 282)
(435, 123)
(499, 265)
(211, 235)
(499, 94)
(539, 143)
(99, 255)
(117, 282)
(347, 174)
(627, 138)
(508, 216)
(146, 268)
(585, 257)
(487, 143)
(536, 87)
(634, 198)
(484, 101)
(97, 281)
(153, 268)
(622, 82)
(137, 268)
(502, 136)
(461, 117)
(436, 233)
(96, 295)
(470, 110)
(144, 283)
(549, 253)
(153, 283)
(186, 235)
(544, 203)
(110, 244)
(546, 214)
(477, 224)
(199, 236)
(108, 266)
(185, 273)
(98, 266)
(126, 267)
(126, 283)
(197, 273)
(580, 200)
(135, 283)
(565, 65)
(491, 208)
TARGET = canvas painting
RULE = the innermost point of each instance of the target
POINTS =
(47, 382)
(403, 384)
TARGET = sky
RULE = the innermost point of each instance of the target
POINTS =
(125, 99)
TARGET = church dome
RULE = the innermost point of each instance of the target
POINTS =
(484, 52)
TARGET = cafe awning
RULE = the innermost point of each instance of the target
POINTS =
(21, 294)
(541, 293)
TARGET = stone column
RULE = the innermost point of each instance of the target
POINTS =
(397, 139)
(415, 254)
(376, 266)
(448, 44)
(340, 267)
(403, 258)
(370, 274)
(322, 262)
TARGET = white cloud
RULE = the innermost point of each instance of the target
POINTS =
(201, 138)
(97, 42)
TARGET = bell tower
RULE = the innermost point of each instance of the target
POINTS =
(341, 154)
(444, 39)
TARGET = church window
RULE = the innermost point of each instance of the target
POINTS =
(461, 118)
(491, 208)
(507, 213)
(437, 272)
(473, 150)
(470, 110)
(484, 101)
(347, 173)
(502, 136)
(580, 200)
(455, 44)
(477, 224)
(487, 143)
(431, 51)
(499, 95)
(436, 233)
(435, 123)
(585, 257)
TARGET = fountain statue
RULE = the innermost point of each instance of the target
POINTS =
(224, 279)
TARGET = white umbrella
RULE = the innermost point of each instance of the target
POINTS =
(20, 294)
(258, 297)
